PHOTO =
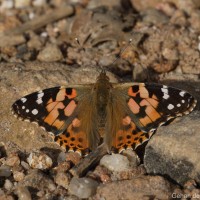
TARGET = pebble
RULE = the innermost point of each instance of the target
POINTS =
(61, 157)
(39, 160)
(6, 5)
(115, 162)
(39, 2)
(132, 157)
(82, 187)
(12, 160)
(23, 193)
(18, 176)
(22, 3)
(5, 171)
(8, 185)
(50, 53)
(62, 179)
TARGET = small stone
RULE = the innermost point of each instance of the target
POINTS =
(63, 166)
(154, 16)
(6, 5)
(12, 160)
(170, 54)
(82, 187)
(23, 193)
(62, 179)
(34, 42)
(115, 162)
(5, 171)
(61, 157)
(8, 185)
(25, 165)
(73, 157)
(50, 53)
(22, 3)
(39, 2)
(18, 176)
(132, 157)
(39, 160)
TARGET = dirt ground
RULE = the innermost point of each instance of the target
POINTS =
(144, 41)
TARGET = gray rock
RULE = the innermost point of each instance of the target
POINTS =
(143, 187)
(174, 150)
(23, 193)
(5, 171)
(82, 187)
(40, 181)
(132, 157)
(50, 53)
(115, 162)
(62, 179)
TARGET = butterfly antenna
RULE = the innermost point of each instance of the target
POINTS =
(79, 44)
(123, 50)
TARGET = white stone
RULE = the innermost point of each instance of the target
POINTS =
(115, 162)
(82, 187)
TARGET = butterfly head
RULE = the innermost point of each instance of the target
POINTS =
(103, 77)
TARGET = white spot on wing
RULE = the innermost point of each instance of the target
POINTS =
(39, 101)
(23, 107)
(27, 110)
(40, 94)
(183, 101)
(165, 91)
(23, 99)
(182, 93)
(170, 107)
(34, 111)
(165, 96)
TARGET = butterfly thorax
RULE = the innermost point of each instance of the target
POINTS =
(102, 93)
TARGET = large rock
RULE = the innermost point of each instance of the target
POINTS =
(174, 150)
(143, 187)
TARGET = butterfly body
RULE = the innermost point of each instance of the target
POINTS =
(123, 115)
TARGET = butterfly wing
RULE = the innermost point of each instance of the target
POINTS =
(145, 108)
(58, 111)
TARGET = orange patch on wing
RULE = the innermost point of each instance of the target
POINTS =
(152, 113)
(52, 116)
(145, 121)
(143, 92)
(69, 109)
(126, 121)
(134, 107)
(50, 101)
(58, 123)
(154, 97)
(76, 123)
(131, 93)
(51, 106)
(60, 95)
(149, 102)
(72, 95)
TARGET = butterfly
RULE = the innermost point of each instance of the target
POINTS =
(121, 115)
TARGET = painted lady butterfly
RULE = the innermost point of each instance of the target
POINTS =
(125, 115)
